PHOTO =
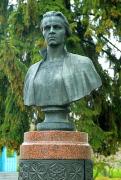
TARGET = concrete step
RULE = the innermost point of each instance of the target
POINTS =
(8, 176)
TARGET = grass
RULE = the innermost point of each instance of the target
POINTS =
(103, 171)
(106, 178)
(107, 168)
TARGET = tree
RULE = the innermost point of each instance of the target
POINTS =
(14, 117)
(98, 21)
(92, 23)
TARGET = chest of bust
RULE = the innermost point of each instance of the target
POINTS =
(49, 85)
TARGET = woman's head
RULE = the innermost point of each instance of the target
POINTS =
(59, 15)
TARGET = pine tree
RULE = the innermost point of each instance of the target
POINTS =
(92, 23)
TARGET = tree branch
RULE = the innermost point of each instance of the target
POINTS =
(111, 43)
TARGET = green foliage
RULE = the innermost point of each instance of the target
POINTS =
(101, 169)
(15, 123)
(10, 152)
(20, 43)
(87, 114)
(96, 20)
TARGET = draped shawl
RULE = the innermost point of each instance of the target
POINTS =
(79, 78)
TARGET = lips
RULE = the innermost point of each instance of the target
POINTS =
(51, 37)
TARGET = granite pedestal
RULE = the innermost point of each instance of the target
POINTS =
(55, 155)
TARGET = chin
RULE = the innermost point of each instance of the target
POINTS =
(53, 44)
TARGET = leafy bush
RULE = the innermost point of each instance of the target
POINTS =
(103, 171)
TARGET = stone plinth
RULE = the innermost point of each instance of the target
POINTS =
(55, 155)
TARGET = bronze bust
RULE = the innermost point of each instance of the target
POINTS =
(61, 77)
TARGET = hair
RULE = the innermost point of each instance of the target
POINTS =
(58, 14)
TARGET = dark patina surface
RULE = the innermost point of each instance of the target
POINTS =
(56, 151)
(60, 78)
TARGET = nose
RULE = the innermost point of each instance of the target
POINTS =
(52, 29)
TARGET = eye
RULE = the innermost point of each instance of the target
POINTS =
(46, 27)
(57, 27)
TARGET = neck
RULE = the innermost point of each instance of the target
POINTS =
(55, 52)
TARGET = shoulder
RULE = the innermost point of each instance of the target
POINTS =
(32, 70)
(34, 66)
(79, 59)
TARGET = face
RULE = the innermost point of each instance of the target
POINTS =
(53, 31)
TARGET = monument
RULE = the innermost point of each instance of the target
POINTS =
(56, 151)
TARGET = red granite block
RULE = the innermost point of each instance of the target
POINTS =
(55, 145)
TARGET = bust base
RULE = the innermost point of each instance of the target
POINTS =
(56, 118)
(62, 126)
